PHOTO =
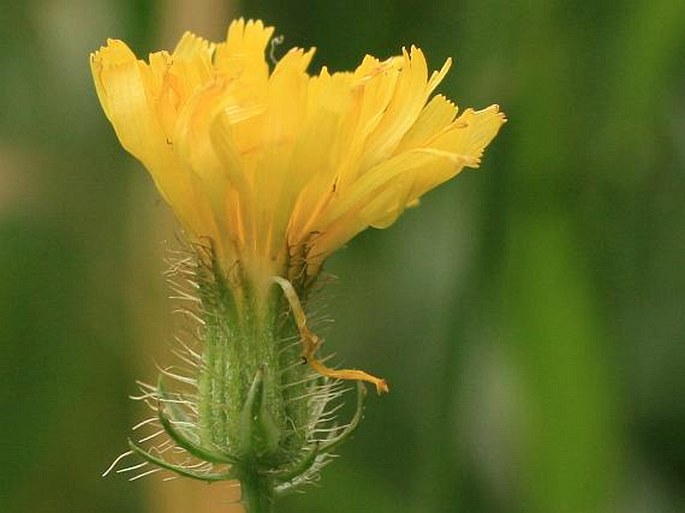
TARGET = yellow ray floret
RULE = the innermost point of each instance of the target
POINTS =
(279, 168)
(311, 343)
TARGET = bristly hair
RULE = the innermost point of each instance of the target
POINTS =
(171, 438)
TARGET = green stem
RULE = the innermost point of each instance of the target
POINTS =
(257, 494)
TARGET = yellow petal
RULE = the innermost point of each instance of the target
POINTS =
(330, 101)
(242, 54)
(472, 132)
(371, 199)
(121, 85)
(409, 97)
(435, 117)
(125, 88)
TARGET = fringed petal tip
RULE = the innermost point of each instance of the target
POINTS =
(496, 115)
(113, 52)
(495, 109)
(485, 125)
(490, 117)
(251, 32)
(439, 75)
(191, 44)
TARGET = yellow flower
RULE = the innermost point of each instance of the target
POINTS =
(276, 167)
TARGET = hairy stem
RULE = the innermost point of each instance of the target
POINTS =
(257, 494)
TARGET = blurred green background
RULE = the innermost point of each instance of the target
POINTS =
(530, 315)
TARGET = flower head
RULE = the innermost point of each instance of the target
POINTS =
(276, 167)
(270, 170)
